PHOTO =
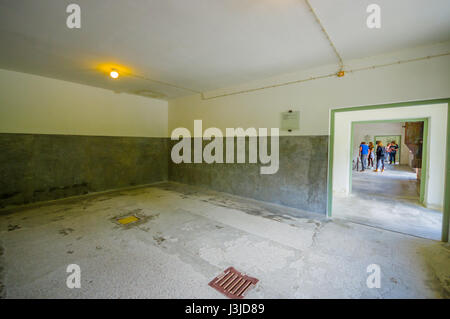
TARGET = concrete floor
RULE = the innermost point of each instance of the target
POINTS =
(187, 236)
(389, 200)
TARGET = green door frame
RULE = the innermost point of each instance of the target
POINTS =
(446, 208)
(423, 174)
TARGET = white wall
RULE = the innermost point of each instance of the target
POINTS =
(34, 104)
(437, 127)
(421, 80)
(376, 129)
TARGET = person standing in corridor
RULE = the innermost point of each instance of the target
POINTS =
(371, 157)
(394, 149)
(363, 153)
(381, 153)
(387, 155)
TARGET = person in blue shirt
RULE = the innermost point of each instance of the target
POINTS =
(363, 153)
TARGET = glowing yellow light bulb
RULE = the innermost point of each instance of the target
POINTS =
(114, 74)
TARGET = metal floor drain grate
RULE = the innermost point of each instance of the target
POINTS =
(232, 283)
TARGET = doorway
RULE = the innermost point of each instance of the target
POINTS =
(427, 206)
(386, 194)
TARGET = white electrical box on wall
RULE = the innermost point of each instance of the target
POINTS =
(290, 121)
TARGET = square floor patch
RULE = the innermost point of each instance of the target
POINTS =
(128, 220)
(233, 284)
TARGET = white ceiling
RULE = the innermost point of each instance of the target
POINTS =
(204, 44)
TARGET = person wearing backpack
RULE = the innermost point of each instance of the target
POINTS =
(381, 153)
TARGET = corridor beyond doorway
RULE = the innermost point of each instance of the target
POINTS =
(398, 181)
(389, 200)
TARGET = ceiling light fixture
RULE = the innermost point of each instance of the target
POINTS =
(114, 74)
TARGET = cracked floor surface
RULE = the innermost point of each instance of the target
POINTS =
(186, 236)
